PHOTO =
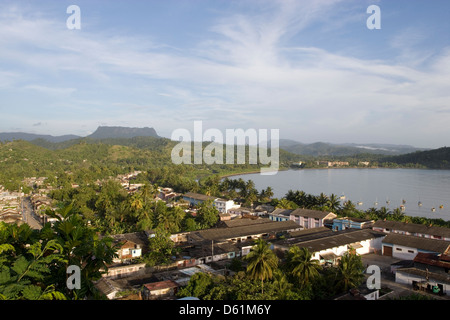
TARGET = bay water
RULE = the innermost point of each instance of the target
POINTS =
(368, 187)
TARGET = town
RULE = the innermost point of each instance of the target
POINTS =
(413, 258)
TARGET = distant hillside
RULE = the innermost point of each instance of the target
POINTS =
(433, 159)
(10, 136)
(318, 149)
(122, 132)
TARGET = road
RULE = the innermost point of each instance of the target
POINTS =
(29, 215)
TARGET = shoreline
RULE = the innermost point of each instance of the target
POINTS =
(324, 168)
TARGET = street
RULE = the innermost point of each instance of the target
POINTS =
(28, 214)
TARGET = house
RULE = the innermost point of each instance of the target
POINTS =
(196, 198)
(280, 214)
(430, 273)
(160, 289)
(406, 247)
(308, 218)
(205, 252)
(241, 211)
(11, 216)
(125, 270)
(350, 222)
(131, 245)
(223, 205)
(413, 229)
(327, 246)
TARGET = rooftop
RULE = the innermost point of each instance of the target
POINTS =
(413, 228)
(198, 196)
(311, 213)
(242, 231)
(327, 240)
(417, 242)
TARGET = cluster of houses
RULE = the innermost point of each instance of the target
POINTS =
(424, 251)
(10, 206)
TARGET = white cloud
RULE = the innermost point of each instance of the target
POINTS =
(250, 74)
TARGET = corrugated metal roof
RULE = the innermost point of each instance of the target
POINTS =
(413, 228)
(420, 243)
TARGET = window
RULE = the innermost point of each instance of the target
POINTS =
(398, 249)
(410, 251)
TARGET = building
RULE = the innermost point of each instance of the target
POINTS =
(430, 273)
(308, 218)
(223, 205)
(327, 246)
(248, 230)
(158, 290)
(406, 247)
(412, 229)
(351, 223)
(131, 245)
(195, 199)
(280, 214)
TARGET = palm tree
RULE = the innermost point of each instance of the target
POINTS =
(349, 271)
(334, 203)
(262, 262)
(301, 265)
(322, 200)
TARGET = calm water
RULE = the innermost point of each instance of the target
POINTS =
(431, 187)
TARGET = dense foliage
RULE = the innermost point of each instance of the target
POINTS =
(34, 263)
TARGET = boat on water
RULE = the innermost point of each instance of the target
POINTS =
(360, 203)
(433, 209)
(441, 206)
(419, 203)
(403, 201)
(402, 207)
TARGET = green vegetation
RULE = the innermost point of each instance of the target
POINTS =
(34, 263)
(295, 276)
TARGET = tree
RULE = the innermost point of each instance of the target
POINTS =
(262, 262)
(207, 215)
(198, 286)
(300, 265)
(161, 247)
(349, 271)
(26, 276)
(82, 247)
(334, 203)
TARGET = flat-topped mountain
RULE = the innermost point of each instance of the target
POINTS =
(104, 132)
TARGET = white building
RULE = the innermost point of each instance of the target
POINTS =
(224, 205)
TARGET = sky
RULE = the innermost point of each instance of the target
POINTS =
(312, 69)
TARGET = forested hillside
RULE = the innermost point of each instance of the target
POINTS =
(433, 159)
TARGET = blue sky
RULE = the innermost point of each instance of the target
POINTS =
(309, 68)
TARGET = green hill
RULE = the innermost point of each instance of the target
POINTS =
(433, 159)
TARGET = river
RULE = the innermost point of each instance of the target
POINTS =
(368, 187)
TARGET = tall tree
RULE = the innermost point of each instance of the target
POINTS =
(300, 264)
(262, 262)
(349, 271)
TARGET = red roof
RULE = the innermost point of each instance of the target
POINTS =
(161, 285)
(432, 259)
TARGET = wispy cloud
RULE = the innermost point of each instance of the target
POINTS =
(250, 69)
